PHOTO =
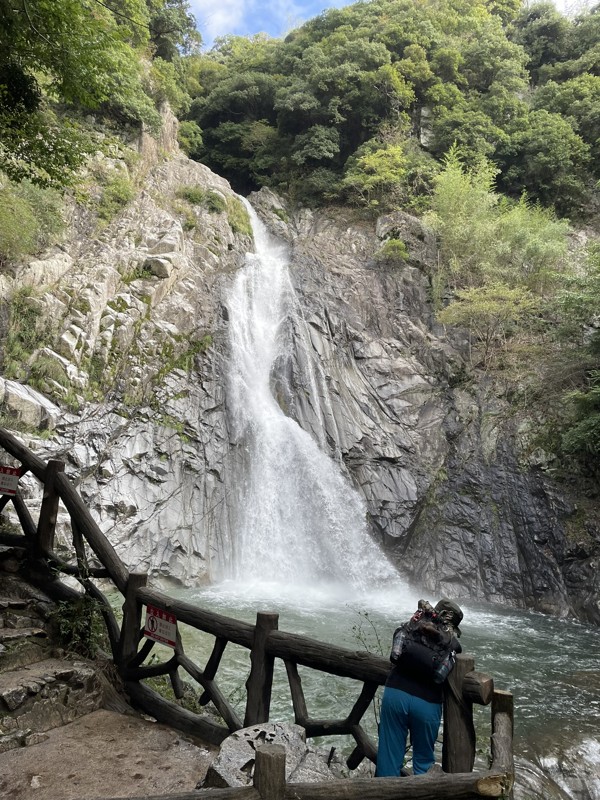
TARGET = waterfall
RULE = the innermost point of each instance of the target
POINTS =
(295, 517)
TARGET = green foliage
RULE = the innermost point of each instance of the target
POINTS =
(308, 114)
(190, 137)
(375, 173)
(581, 437)
(486, 237)
(577, 100)
(18, 227)
(117, 191)
(198, 196)
(463, 213)
(25, 333)
(89, 57)
(547, 159)
(45, 371)
(80, 625)
(491, 313)
(237, 216)
(393, 252)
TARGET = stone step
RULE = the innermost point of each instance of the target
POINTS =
(45, 695)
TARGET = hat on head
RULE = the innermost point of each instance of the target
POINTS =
(450, 610)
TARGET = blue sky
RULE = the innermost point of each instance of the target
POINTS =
(246, 17)
(275, 17)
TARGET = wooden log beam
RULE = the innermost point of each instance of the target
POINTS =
(364, 742)
(297, 693)
(362, 704)
(216, 624)
(132, 619)
(502, 736)
(260, 680)
(230, 718)
(23, 454)
(459, 744)
(466, 786)
(478, 688)
(502, 703)
(330, 658)
(49, 509)
(74, 569)
(106, 553)
(15, 540)
(112, 626)
(151, 671)
(24, 515)
(502, 744)
(269, 772)
(326, 727)
(171, 714)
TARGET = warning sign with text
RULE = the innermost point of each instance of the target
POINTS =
(161, 626)
(9, 478)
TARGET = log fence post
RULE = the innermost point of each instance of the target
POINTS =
(459, 744)
(132, 619)
(260, 680)
(269, 772)
(46, 528)
(502, 736)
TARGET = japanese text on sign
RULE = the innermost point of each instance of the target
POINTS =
(161, 626)
(9, 478)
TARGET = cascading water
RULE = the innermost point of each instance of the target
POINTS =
(299, 526)
(296, 518)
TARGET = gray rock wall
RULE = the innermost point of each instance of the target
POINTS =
(140, 328)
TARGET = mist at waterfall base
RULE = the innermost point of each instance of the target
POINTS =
(302, 548)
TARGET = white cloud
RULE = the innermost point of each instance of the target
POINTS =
(247, 17)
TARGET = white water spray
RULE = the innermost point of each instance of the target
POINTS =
(296, 518)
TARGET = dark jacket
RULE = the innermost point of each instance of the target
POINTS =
(405, 676)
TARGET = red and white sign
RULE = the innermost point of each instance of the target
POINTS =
(9, 478)
(161, 626)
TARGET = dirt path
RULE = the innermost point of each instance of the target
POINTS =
(104, 755)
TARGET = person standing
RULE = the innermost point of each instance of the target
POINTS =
(414, 690)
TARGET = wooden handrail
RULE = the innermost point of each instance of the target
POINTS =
(216, 624)
(32, 462)
(265, 642)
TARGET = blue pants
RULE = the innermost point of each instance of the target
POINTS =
(400, 713)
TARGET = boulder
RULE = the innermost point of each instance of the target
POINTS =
(234, 765)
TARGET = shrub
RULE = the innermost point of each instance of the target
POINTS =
(238, 218)
(117, 192)
(193, 194)
(190, 137)
(30, 217)
(393, 252)
(79, 625)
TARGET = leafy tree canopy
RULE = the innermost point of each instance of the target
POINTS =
(87, 54)
(454, 71)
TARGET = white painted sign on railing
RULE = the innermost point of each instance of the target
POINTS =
(9, 479)
(161, 626)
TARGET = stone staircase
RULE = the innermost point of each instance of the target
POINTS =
(65, 731)
(40, 688)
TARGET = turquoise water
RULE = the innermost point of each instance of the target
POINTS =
(551, 666)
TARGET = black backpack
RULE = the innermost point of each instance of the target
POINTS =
(423, 648)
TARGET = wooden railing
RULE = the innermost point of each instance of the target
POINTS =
(93, 558)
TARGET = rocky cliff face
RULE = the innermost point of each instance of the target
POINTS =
(139, 326)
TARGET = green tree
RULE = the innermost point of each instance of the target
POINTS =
(578, 101)
(463, 214)
(376, 172)
(548, 160)
(492, 314)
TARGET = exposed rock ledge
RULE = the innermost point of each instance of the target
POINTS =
(443, 463)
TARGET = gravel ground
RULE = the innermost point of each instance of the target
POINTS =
(104, 755)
